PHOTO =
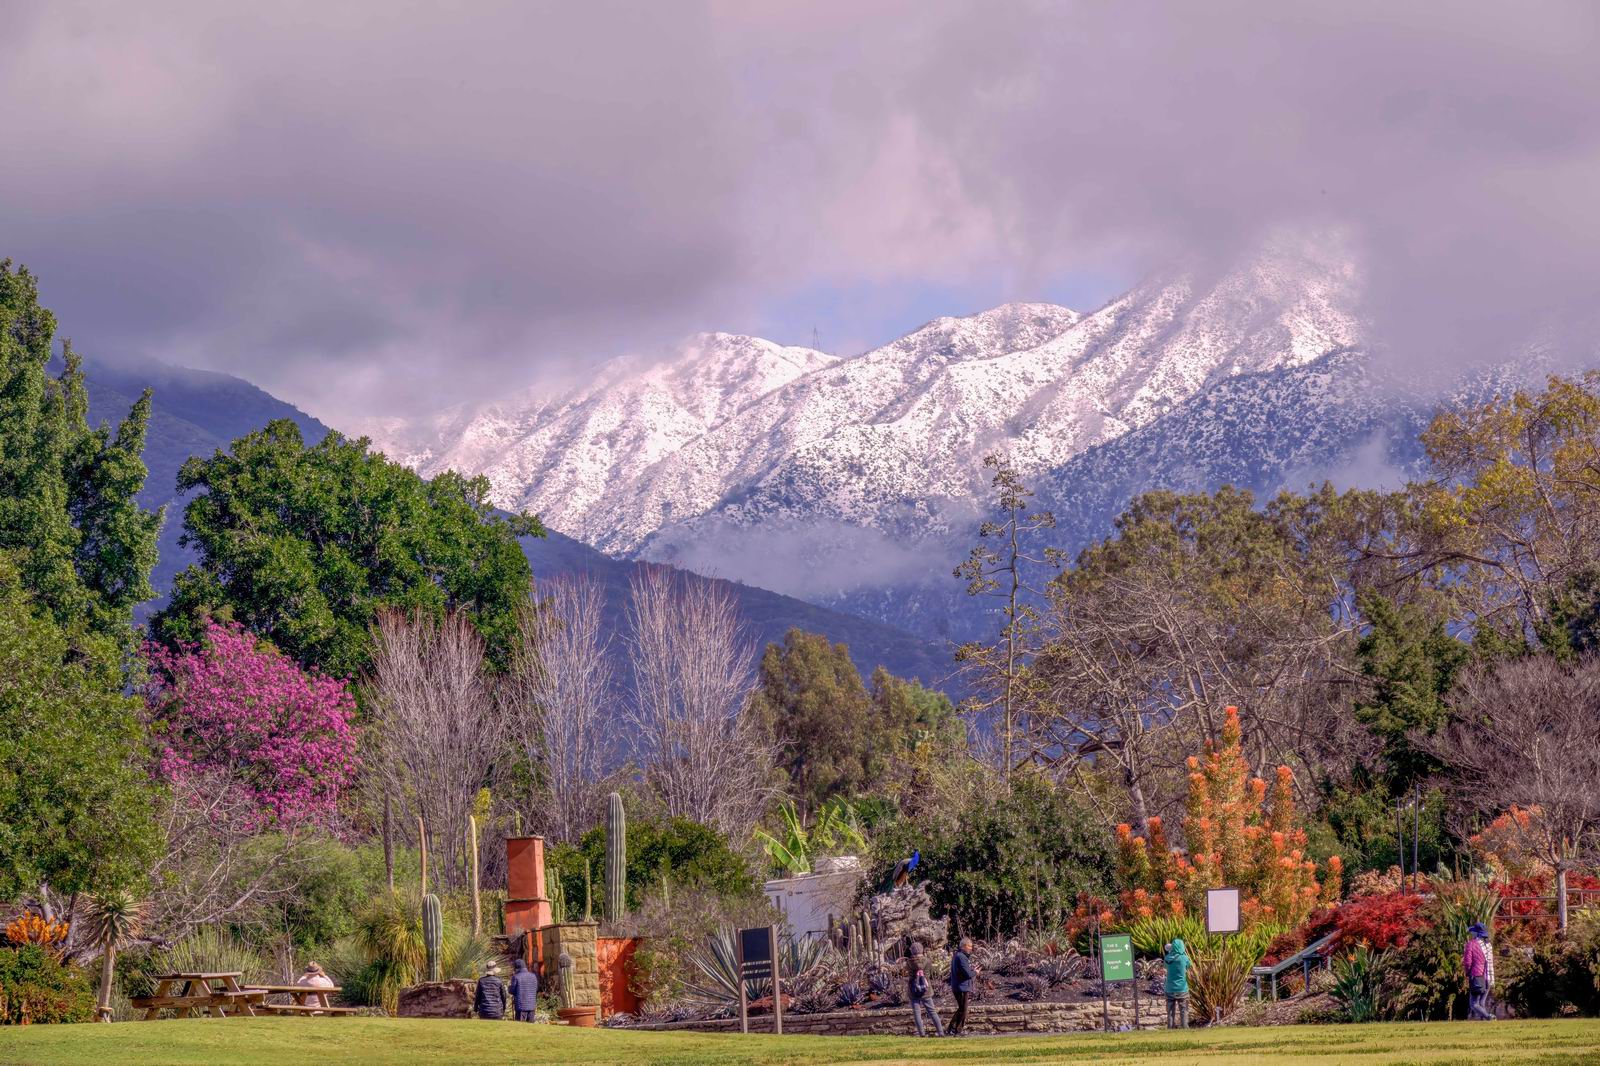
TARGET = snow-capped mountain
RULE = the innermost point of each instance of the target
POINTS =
(832, 478)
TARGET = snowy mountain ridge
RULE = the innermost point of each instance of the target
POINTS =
(784, 466)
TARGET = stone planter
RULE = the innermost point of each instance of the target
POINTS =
(583, 1017)
(437, 999)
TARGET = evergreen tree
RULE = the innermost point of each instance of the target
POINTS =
(812, 701)
(305, 545)
(69, 518)
(1411, 661)
(76, 801)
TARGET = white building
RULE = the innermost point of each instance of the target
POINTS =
(808, 900)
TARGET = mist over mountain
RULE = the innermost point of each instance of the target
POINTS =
(858, 482)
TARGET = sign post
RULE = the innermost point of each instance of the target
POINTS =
(758, 960)
(1116, 964)
(1222, 912)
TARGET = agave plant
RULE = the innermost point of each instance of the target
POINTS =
(1060, 969)
(112, 921)
(715, 979)
(1032, 988)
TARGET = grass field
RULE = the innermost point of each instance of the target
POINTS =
(302, 1041)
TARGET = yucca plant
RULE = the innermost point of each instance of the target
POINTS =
(1358, 983)
(1217, 980)
(111, 922)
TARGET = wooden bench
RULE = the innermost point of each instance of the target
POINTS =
(307, 999)
(218, 994)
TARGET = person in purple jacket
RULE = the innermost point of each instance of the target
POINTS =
(1475, 960)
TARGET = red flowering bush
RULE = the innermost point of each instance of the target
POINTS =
(237, 711)
(1527, 915)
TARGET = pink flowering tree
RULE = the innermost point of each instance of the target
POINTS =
(236, 713)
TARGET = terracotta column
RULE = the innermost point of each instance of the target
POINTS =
(527, 905)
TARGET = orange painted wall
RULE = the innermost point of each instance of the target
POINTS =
(614, 954)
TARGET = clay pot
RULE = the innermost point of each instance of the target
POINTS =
(579, 1016)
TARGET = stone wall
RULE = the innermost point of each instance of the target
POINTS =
(981, 1018)
(577, 939)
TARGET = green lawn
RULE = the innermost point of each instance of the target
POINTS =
(303, 1041)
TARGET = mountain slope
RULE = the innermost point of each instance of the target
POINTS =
(192, 412)
(859, 476)
(195, 413)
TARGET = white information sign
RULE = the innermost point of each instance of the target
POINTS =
(1222, 910)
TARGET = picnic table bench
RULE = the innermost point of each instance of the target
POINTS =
(306, 999)
(217, 993)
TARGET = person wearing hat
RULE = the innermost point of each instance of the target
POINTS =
(314, 977)
(1477, 961)
(920, 992)
(490, 1002)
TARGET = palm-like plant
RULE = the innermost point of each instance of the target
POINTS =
(835, 827)
(1218, 978)
(1358, 982)
(113, 920)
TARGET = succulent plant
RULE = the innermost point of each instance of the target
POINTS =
(1031, 988)
(1060, 969)
(616, 857)
(850, 996)
(433, 934)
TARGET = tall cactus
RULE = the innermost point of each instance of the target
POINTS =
(616, 858)
(433, 934)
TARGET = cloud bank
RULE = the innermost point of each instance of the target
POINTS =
(373, 208)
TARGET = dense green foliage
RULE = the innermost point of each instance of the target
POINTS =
(835, 737)
(69, 517)
(35, 988)
(1411, 662)
(677, 851)
(304, 545)
(1002, 863)
(75, 800)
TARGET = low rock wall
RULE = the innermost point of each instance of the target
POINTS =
(992, 1018)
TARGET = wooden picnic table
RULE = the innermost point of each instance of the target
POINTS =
(308, 999)
(218, 993)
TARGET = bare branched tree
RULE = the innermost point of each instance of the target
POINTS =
(556, 697)
(693, 667)
(1527, 735)
(438, 728)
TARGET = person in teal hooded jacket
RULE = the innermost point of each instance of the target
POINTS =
(1177, 987)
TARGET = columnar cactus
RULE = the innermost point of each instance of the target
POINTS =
(616, 858)
(433, 934)
(564, 970)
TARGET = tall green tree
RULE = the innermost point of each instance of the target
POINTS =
(305, 545)
(76, 799)
(1411, 661)
(813, 703)
(69, 518)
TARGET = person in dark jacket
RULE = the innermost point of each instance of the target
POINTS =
(490, 1002)
(920, 992)
(524, 991)
(962, 974)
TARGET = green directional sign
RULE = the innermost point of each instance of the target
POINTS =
(1116, 957)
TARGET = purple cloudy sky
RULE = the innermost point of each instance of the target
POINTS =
(379, 208)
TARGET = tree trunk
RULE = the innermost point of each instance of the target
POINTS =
(108, 963)
(477, 908)
(388, 838)
(1561, 898)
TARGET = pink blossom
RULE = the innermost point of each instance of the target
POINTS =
(240, 710)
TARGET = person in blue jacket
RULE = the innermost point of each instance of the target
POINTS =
(524, 991)
(1177, 986)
